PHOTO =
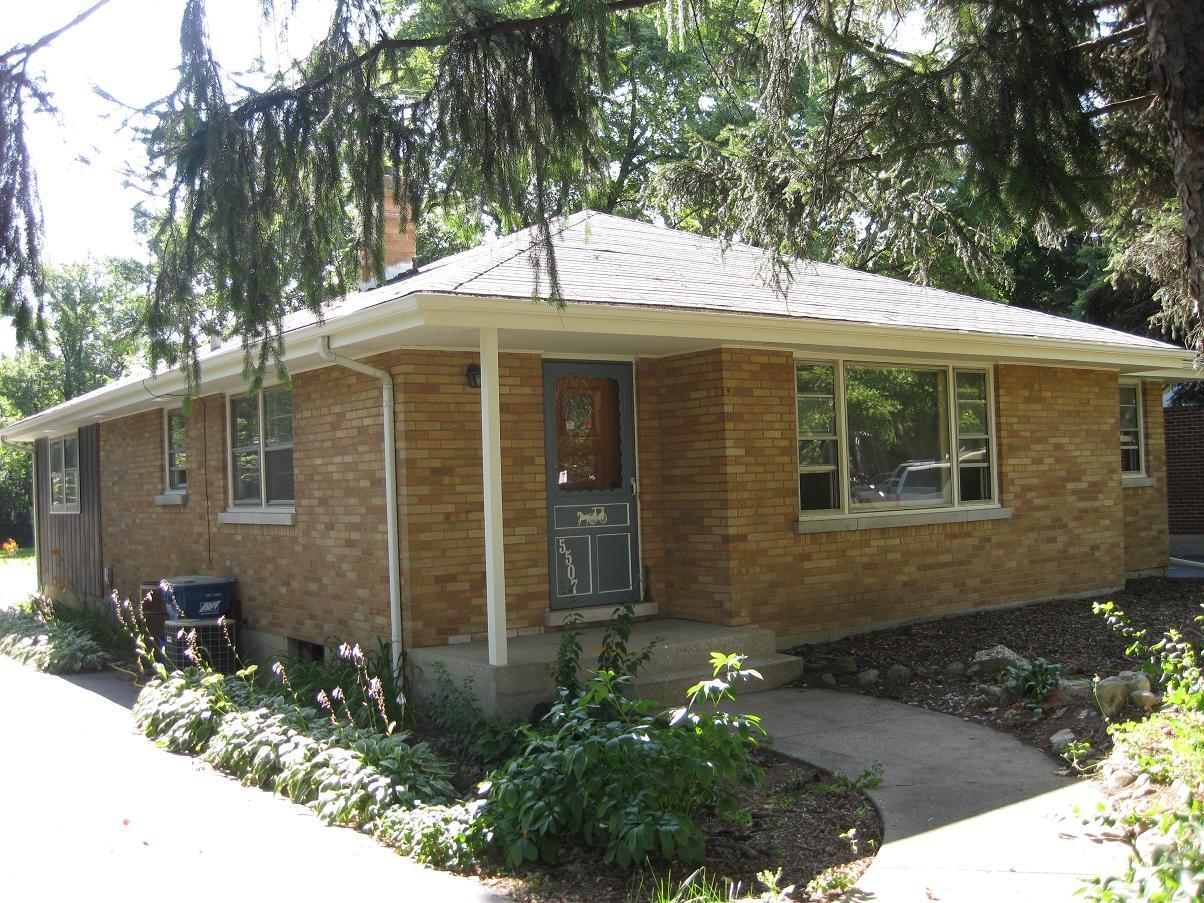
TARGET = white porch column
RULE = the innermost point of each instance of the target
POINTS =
(491, 449)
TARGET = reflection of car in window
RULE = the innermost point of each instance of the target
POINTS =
(912, 481)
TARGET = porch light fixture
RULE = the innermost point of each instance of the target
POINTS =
(473, 372)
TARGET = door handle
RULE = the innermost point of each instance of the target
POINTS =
(635, 489)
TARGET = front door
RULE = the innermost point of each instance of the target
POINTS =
(589, 429)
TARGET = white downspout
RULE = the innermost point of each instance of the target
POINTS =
(386, 384)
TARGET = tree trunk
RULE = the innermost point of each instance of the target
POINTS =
(1176, 34)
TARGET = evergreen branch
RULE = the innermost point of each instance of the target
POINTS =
(1122, 105)
(28, 50)
(1116, 37)
(367, 58)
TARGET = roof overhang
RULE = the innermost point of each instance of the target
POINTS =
(454, 321)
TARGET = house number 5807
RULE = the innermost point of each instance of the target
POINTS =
(570, 569)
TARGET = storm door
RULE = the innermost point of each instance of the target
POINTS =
(589, 427)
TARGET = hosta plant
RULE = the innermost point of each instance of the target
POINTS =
(30, 637)
(611, 772)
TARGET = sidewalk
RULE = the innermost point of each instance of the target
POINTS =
(91, 810)
(970, 814)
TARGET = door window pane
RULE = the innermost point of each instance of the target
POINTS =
(898, 435)
(588, 434)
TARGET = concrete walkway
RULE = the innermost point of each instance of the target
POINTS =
(970, 813)
(89, 810)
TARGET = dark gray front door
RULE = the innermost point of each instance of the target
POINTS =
(589, 435)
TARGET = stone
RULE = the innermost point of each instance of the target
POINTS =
(921, 671)
(1118, 778)
(867, 678)
(1070, 691)
(1181, 793)
(1136, 681)
(827, 679)
(898, 674)
(955, 669)
(1151, 843)
(996, 658)
(1061, 740)
(834, 664)
(1112, 696)
(1144, 699)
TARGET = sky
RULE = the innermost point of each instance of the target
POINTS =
(130, 49)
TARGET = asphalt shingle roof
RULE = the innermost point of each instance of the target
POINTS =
(605, 259)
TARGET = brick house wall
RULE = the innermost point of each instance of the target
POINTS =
(1147, 543)
(718, 493)
(1185, 469)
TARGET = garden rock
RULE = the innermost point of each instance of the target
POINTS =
(867, 678)
(995, 659)
(989, 695)
(1070, 691)
(1151, 843)
(955, 669)
(837, 664)
(1136, 681)
(898, 674)
(1112, 696)
(827, 679)
(1061, 740)
(1181, 792)
(1144, 699)
(1116, 778)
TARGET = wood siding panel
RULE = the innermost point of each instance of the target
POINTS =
(69, 552)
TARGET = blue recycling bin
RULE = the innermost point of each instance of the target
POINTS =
(196, 596)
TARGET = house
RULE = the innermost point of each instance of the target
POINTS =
(1184, 425)
(457, 467)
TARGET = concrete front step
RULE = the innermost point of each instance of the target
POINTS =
(680, 659)
(776, 670)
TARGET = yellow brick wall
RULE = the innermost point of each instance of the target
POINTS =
(1147, 543)
(718, 498)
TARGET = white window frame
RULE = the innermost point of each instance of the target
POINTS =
(168, 488)
(63, 507)
(247, 511)
(1140, 473)
(847, 517)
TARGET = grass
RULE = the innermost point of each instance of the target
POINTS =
(18, 580)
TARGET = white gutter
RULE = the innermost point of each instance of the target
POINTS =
(386, 385)
(1187, 563)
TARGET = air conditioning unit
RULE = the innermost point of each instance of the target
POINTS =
(190, 642)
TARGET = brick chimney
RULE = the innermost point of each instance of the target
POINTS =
(399, 246)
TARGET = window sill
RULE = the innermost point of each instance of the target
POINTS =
(1136, 480)
(171, 498)
(273, 517)
(903, 519)
(74, 509)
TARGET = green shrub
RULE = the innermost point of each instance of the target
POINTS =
(1173, 871)
(182, 711)
(360, 688)
(608, 772)
(1036, 681)
(463, 731)
(442, 836)
(33, 636)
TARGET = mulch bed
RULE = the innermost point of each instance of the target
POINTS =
(796, 822)
(1065, 632)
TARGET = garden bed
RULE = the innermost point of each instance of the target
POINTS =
(1065, 632)
(800, 823)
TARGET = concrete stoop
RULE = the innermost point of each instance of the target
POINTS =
(680, 659)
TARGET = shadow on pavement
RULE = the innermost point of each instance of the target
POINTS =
(110, 685)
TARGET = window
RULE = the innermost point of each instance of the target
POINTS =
(176, 444)
(261, 448)
(64, 475)
(1131, 446)
(818, 470)
(892, 429)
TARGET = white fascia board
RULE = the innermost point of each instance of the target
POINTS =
(138, 393)
(731, 328)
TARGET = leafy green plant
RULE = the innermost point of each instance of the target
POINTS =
(32, 635)
(361, 689)
(1171, 660)
(869, 778)
(1173, 870)
(829, 881)
(182, 711)
(1035, 681)
(568, 656)
(606, 771)
(462, 730)
(699, 886)
(615, 656)
(444, 836)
